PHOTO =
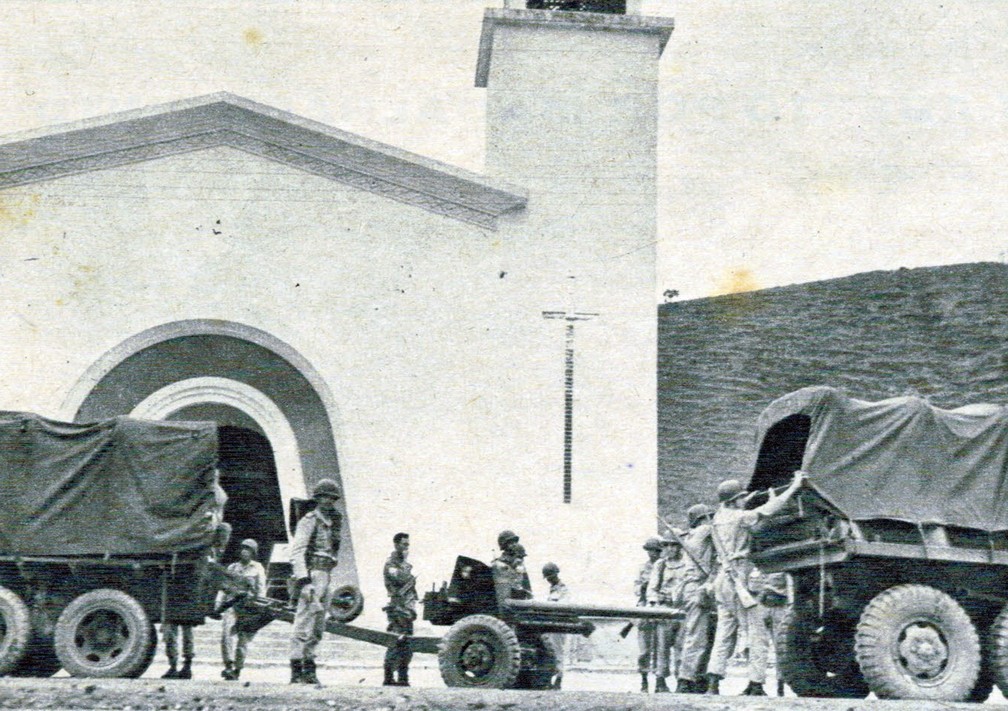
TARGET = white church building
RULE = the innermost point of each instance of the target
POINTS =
(463, 352)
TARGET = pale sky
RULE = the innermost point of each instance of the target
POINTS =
(798, 140)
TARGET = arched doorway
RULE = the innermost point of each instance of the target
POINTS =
(275, 413)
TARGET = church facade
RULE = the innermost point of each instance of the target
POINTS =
(464, 353)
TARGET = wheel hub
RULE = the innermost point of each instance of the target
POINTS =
(477, 658)
(101, 637)
(923, 651)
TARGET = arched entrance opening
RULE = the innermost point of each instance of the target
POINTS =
(274, 411)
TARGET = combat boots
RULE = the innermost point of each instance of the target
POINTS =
(229, 672)
(643, 682)
(172, 672)
(297, 671)
(403, 677)
(754, 689)
(308, 672)
(684, 686)
(660, 687)
(713, 684)
(389, 680)
(186, 671)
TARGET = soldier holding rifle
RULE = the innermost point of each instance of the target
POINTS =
(646, 659)
(731, 533)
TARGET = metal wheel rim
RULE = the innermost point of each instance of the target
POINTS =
(922, 651)
(101, 637)
(477, 657)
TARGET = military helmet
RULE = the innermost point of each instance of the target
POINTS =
(504, 538)
(518, 550)
(326, 487)
(729, 490)
(551, 569)
(698, 512)
(653, 544)
(251, 544)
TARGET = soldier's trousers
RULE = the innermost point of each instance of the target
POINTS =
(731, 616)
(559, 645)
(310, 614)
(647, 661)
(666, 648)
(399, 655)
(234, 644)
(695, 647)
(170, 630)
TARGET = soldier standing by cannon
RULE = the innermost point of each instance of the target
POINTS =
(400, 584)
(559, 644)
(665, 588)
(731, 533)
(509, 576)
(314, 554)
(646, 662)
(234, 638)
(697, 600)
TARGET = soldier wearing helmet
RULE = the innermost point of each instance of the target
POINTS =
(314, 554)
(731, 533)
(665, 588)
(699, 563)
(250, 574)
(646, 659)
(510, 579)
(558, 644)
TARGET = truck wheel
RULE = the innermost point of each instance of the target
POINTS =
(997, 652)
(149, 657)
(15, 629)
(916, 642)
(816, 658)
(347, 603)
(480, 651)
(103, 633)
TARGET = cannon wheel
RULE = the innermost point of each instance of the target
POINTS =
(480, 651)
(15, 630)
(103, 633)
(817, 659)
(916, 642)
(539, 665)
(346, 604)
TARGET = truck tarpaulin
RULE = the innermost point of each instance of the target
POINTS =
(121, 487)
(899, 459)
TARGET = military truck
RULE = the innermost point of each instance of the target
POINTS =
(105, 530)
(898, 544)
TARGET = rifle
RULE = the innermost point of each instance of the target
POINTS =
(682, 544)
(744, 596)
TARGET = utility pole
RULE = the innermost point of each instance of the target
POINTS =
(571, 317)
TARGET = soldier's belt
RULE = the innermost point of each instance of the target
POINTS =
(322, 561)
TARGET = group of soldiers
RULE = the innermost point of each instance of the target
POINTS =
(708, 573)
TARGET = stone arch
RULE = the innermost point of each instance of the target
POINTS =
(187, 364)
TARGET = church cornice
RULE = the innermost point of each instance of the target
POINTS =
(232, 121)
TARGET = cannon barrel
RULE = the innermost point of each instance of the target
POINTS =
(563, 626)
(542, 607)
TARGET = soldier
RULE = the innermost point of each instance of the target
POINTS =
(665, 588)
(314, 554)
(697, 601)
(775, 596)
(400, 584)
(646, 628)
(559, 644)
(171, 631)
(234, 640)
(510, 579)
(731, 532)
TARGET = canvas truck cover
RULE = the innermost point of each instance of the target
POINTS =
(900, 458)
(122, 486)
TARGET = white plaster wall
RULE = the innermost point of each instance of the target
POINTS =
(447, 379)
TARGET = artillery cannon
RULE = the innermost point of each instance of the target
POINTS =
(497, 643)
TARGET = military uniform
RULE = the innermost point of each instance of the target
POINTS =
(646, 658)
(733, 529)
(400, 584)
(314, 554)
(234, 641)
(774, 596)
(510, 579)
(697, 605)
(665, 588)
(559, 644)
(171, 631)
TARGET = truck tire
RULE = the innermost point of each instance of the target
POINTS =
(103, 633)
(916, 642)
(817, 660)
(149, 657)
(346, 604)
(480, 651)
(15, 630)
(998, 651)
